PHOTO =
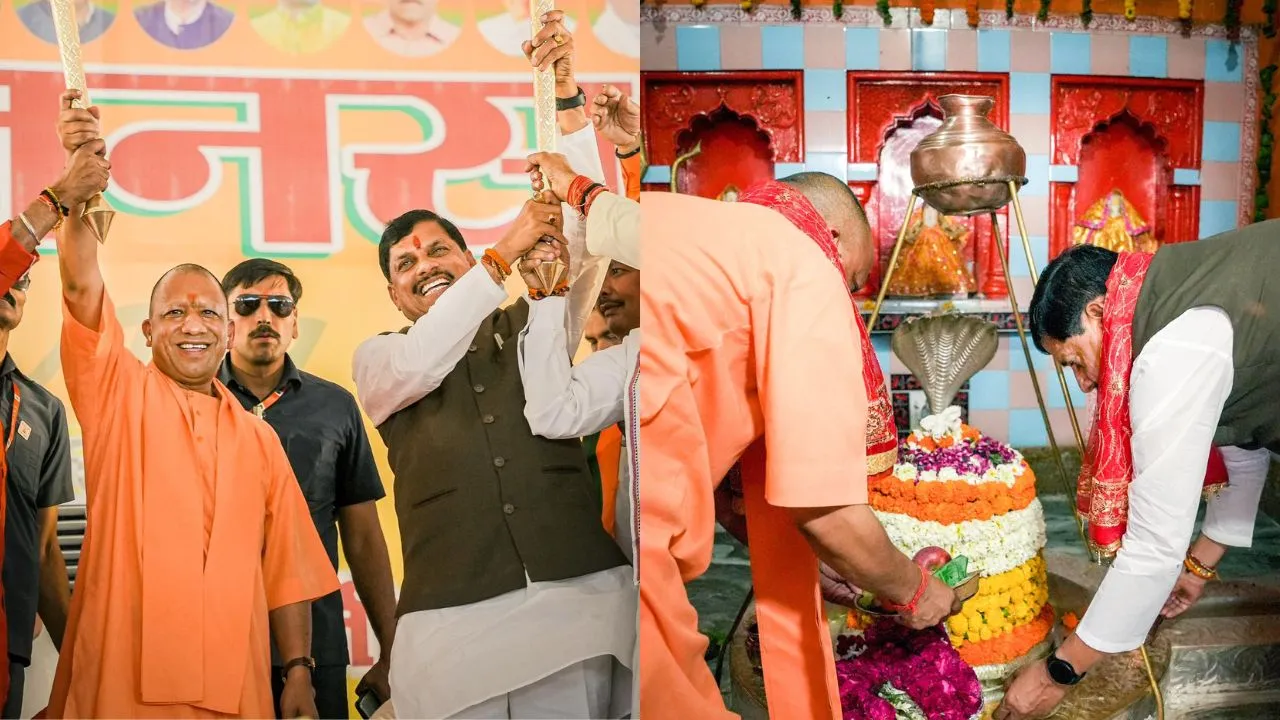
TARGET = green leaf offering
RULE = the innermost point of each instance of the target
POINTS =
(954, 572)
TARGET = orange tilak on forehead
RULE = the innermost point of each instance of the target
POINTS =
(417, 242)
(191, 298)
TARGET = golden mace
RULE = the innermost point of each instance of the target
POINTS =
(545, 130)
(97, 213)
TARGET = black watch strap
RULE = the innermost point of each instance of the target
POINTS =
(1061, 671)
(576, 101)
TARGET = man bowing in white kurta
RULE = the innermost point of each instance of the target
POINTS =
(1181, 347)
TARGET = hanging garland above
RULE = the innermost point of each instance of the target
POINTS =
(882, 7)
(838, 9)
(1008, 9)
(927, 8)
(1086, 13)
(1232, 20)
(1184, 16)
(1130, 10)
(1266, 143)
(796, 9)
(1269, 10)
(1044, 11)
(971, 10)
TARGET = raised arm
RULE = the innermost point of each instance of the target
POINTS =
(563, 401)
(613, 221)
(82, 284)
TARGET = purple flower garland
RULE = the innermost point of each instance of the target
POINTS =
(922, 664)
(967, 457)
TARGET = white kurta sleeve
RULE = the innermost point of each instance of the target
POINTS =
(1229, 517)
(613, 229)
(394, 371)
(1179, 384)
(561, 400)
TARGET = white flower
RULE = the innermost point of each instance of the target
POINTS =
(943, 424)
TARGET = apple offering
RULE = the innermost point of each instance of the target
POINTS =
(939, 563)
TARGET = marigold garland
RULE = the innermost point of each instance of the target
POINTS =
(1009, 646)
(882, 7)
(1070, 621)
(1086, 12)
(950, 502)
(698, 3)
(971, 11)
(1130, 10)
(927, 8)
(1266, 142)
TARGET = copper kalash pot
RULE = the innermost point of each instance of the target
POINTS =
(965, 166)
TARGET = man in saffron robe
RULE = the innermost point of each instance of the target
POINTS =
(751, 350)
(199, 541)
(1181, 347)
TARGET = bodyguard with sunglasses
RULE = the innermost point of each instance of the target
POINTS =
(36, 465)
(323, 434)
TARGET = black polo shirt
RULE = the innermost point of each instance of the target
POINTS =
(323, 434)
(39, 463)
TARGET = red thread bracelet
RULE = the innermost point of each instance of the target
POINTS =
(911, 606)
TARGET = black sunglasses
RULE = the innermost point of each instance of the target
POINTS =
(247, 305)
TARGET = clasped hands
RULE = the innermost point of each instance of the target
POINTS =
(87, 170)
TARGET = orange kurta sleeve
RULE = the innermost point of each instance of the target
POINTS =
(808, 358)
(295, 567)
(631, 176)
(15, 261)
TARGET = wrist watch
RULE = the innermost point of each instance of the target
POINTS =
(570, 103)
(1061, 671)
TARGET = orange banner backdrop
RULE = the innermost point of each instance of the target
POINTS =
(291, 132)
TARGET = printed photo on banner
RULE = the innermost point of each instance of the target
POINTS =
(94, 19)
(184, 24)
(505, 24)
(618, 27)
(299, 27)
(413, 28)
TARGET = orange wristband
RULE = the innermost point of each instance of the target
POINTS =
(498, 260)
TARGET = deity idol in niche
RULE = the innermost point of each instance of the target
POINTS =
(729, 194)
(1114, 223)
(933, 259)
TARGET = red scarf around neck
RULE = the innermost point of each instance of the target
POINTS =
(882, 433)
(1107, 468)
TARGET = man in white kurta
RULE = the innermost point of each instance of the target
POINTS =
(520, 653)
(1177, 391)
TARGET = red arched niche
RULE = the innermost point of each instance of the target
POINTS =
(1127, 134)
(1126, 155)
(671, 102)
(889, 112)
(735, 153)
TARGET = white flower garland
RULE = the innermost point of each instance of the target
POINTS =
(1006, 474)
(993, 546)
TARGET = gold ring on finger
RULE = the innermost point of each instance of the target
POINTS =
(558, 38)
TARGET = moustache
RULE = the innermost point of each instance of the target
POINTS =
(262, 332)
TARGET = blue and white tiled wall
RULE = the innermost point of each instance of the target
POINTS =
(1002, 401)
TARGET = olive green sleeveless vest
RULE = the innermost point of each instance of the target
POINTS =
(480, 499)
(1239, 272)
